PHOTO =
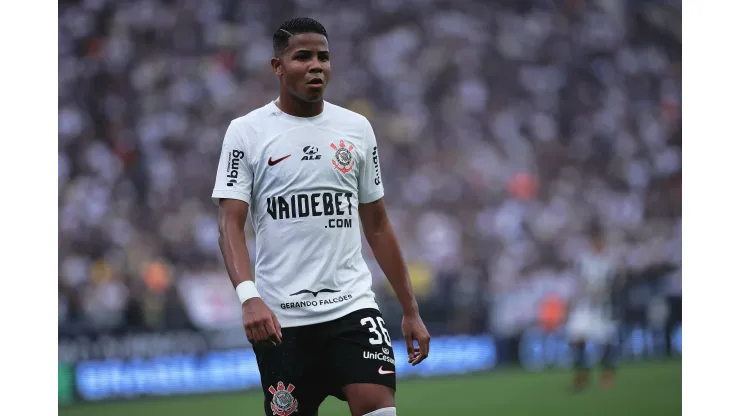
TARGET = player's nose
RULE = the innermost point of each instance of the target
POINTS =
(315, 65)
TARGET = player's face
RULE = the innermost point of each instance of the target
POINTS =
(304, 66)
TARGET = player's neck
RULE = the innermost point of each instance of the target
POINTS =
(297, 108)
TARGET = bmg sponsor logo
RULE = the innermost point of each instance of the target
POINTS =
(376, 165)
(232, 166)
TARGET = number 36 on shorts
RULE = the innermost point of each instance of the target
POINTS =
(378, 330)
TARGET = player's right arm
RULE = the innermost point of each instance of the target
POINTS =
(233, 192)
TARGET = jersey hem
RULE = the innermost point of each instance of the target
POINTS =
(334, 315)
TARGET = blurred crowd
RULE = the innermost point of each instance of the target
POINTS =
(505, 128)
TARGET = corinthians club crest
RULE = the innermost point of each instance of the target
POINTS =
(283, 403)
(342, 160)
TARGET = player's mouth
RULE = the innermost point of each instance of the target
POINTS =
(315, 83)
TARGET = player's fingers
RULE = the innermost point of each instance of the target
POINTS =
(409, 345)
(278, 328)
(260, 334)
(424, 345)
(423, 349)
(272, 332)
(418, 357)
(250, 334)
(415, 353)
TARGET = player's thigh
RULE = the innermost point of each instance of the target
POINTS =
(290, 382)
(364, 398)
(363, 363)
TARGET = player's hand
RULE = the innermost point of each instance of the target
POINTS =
(260, 323)
(414, 330)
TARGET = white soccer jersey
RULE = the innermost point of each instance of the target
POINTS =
(591, 316)
(304, 179)
(596, 272)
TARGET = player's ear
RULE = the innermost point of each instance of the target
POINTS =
(276, 66)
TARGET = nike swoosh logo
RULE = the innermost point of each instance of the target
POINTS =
(271, 162)
(384, 372)
(300, 292)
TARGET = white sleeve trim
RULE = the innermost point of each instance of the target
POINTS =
(226, 194)
(372, 197)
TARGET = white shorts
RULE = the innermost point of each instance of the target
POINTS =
(589, 325)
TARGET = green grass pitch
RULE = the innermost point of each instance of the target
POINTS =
(651, 389)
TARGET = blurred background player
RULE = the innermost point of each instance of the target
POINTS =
(592, 318)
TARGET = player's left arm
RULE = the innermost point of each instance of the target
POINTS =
(387, 251)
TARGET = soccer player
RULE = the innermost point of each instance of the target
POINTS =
(308, 174)
(592, 315)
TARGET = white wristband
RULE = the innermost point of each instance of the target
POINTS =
(246, 290)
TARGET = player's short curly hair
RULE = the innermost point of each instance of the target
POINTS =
(293, 27)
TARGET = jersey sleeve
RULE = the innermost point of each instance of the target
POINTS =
(234, 175)
(371, 185)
